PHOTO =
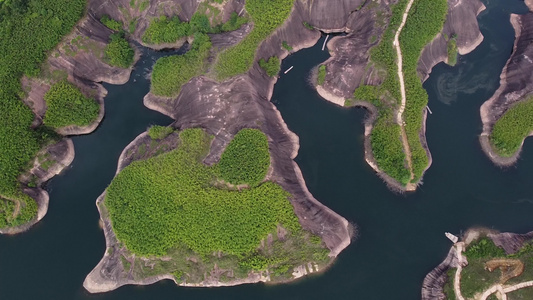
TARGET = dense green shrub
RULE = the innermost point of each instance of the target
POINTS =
(119, 52)
(452, 51)
(512, 128)
(271, 66)
(165, 30)
(246, 159)
(267, 15)
(484, 248)
(321, 76)
(157, 132)
(170, 200)
(171, 72)
(66, 105)
(286, 46)
(28, 210)
(111, 23)
(235, 22)
(28, 30)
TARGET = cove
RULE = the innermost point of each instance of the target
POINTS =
(401, 237)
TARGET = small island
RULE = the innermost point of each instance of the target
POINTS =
(484, 264)
(168, 215)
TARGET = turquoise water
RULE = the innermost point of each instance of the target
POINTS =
(401, 237)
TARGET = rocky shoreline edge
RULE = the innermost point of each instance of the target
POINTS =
(515, 85)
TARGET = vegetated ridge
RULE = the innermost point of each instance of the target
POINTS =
(375, 79)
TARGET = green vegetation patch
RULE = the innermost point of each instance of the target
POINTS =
(512, 128)
(119, 52)
(267, 15)
(286, 46)
(171, 72)
(235, 22)
(28, 30)
(166, 30)
(111, 23)
(452, 50)
(484, 248)
(246, 159)
(157, 132)
(66, 106)
(271, 66)
(27, 210)
(321, 76)
(171, 201)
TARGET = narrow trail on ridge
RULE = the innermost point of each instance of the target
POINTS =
(399, 117)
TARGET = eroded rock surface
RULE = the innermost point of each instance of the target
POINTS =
(516, 84)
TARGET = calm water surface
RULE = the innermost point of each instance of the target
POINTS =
(400, 236)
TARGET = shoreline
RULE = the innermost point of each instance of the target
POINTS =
(488, 119)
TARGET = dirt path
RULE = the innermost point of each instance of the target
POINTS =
(457, 279)
(399, 116)
(504, 290)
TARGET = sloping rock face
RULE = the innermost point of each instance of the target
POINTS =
(516, 84)
(432, 287)
(223, 109)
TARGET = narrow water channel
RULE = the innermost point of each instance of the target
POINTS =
(401, 237)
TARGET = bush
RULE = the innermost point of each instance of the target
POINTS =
(321, 77)
(164, 30)
(286, 46)
(118, 52)
(66, 106)
(235, 22)
(246, 159)
(271, 66)
(170, 201)
(267, 15)
(159, 132)
(111, 23)
(512, 128)
(484, 248)
(452, 51)
(171, 72)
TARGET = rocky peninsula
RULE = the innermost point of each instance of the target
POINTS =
(350, 65)
(482, 263)
(516, 87)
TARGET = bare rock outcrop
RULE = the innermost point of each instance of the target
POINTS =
(516, 84)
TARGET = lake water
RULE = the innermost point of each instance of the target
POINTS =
(401, 237)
